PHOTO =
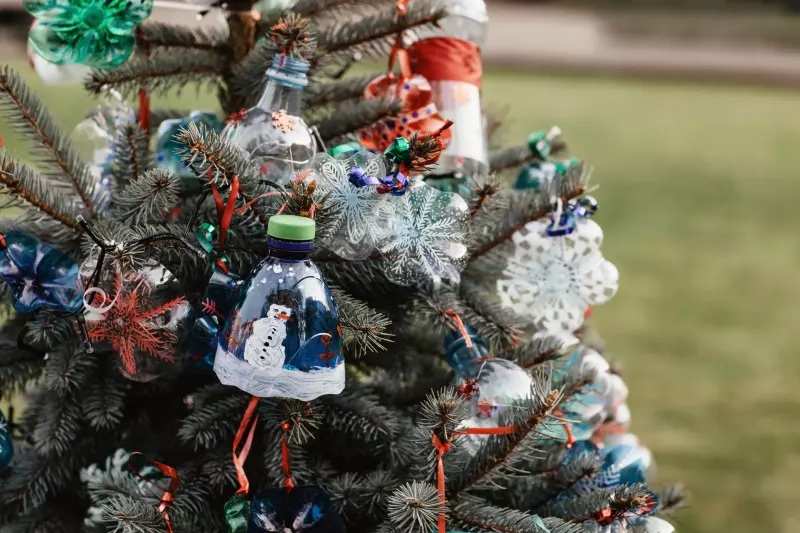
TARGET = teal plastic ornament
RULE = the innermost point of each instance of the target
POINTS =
(6, 445)
(96, 33)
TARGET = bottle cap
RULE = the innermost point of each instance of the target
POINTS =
(291, 228)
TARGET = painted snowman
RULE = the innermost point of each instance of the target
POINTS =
(264, 349)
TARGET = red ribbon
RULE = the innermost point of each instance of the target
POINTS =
(144, 96)
(225, 214)
(238, 459)
(460, 325)
(174, 484)
(447, 59)
(288, 484)
(443, 447)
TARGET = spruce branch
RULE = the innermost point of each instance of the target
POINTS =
(104, 399)
(363, 327)
(329, 93)
(297, 420)
(26, 114)
(414, 507)
(33, 189)
(586, 508)
(209, 155)
(163, 71)
(128, 515)
(68, 369)
(215, 417)
(539, 351)
(246, 83)
(131, 155)
(159, 34)
(516, 156)
(58, 423)
(18, 367)
(148, 198)
(484, 196)
(671, 499)
(474, 514)
(349, 117)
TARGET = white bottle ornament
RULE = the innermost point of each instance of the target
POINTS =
(273, 134)
(448, 56)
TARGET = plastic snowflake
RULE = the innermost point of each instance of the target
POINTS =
(355, 215)
(555, 279)
(427, 236)
(132, 323)
(282, 121)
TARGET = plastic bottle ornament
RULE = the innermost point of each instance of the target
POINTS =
(283, 338)
(649, 524)
(272, 134)
(51, 73)
(220, 296)
(143, 318)
(356, 224)
(448, 56)
(553, 280)
(167, 146)
(419, 114)
(6, 445)
(491, 385)
(304, 509)
(97, 34)
(539, 175)
(426, 236)
(38, 275)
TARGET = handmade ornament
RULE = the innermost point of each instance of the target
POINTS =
(38, 275)
(97, 34)
(555, 279)
(355, 220)
(491, 385)
(539, 175)
(283, 338)
(6, 444)
(273, 134)
(621, 464)
(220, 296)
(305, 509)
(448, 56)
(167, 146)
(142, 318)
(96, 138)
(426, 236)
(51, 73)
(649, 524)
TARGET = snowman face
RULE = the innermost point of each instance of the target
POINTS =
(279, 312)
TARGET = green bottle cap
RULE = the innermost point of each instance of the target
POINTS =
(291, 228)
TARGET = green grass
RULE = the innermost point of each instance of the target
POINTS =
(697, 183)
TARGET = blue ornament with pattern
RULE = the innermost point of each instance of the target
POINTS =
(304, 509)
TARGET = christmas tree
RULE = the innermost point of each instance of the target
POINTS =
(331, 309)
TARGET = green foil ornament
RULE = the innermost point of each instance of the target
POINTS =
(96, 33)
(237, 512)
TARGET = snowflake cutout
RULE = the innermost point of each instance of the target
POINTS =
(427, 236)
(355, 216)
(555, 279)
(282, 121)
(132, 324)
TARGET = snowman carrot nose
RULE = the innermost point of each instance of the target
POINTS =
(283, 316)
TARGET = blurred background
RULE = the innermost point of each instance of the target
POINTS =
(689, 112)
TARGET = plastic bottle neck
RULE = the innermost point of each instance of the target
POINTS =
(286, 79)
(289, 250)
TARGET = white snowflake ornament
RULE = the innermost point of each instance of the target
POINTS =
(357, 216)
(553, 280)
(426, 237)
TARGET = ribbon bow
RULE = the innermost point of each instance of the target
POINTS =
(174, 484)
(206, 232)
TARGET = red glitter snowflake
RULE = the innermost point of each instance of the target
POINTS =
(468, 388)
(282, 121)
(237, 117)
(485, 408)
(128, 324)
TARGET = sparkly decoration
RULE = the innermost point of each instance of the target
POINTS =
(426, 236)
(39, 276)
(355, 222)
(283, 337)
(142, 321)
(419, 112)
(555, 279)
(97, 34)
(283, 122)
(272, 135)
(167, 146)
(6, 445)
(305, 509)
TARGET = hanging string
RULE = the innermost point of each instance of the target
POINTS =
(288, 484)
(441, 448)
(249, 419)
(168, 496)
(460, 325)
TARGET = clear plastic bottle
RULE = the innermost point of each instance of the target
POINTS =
(282, 338)
(273, 133)
(449, 57)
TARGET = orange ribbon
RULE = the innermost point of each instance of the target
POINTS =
(288, 484)
(238, 459)
(174, 484)
(442, 447)
(460, 325)
(144, 96)
(225, 214)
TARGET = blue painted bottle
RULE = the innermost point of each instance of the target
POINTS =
(282, 338)
(6, 446)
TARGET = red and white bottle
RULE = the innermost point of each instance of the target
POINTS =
(449, 57)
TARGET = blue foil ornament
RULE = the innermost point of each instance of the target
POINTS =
(6, 446)
(565, 222)
(39, 275)
(304, 509)
(219, 298)
(167, 146)
(283, 338)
